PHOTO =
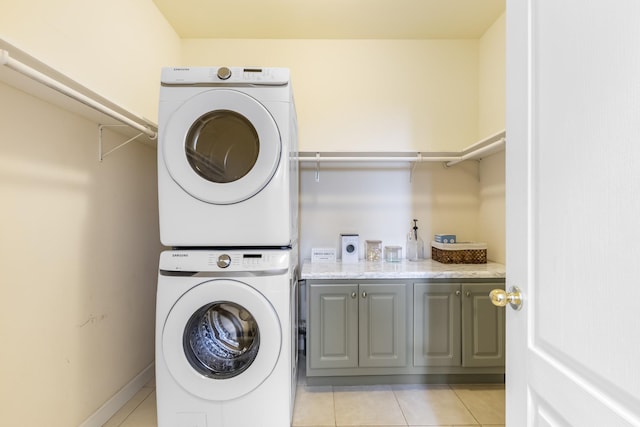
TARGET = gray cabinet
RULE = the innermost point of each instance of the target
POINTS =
(404, 330)
(332, 326)
(436, 335)
(357, 325)
(483, 327)
(456, 324)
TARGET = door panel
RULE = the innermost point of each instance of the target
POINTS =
(436, 324)
(333, 321)
(482, 327)
(573, 199)
(383, 331)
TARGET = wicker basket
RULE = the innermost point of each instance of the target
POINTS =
(459, 253)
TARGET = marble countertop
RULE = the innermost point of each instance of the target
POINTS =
(427, 269)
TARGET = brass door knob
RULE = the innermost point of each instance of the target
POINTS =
(501, 298)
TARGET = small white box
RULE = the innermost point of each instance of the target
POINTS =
(350, 247)
(323, 254)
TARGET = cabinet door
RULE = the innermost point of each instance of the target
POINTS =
(383, 325)
(482, 327)
(333, 326)
(436, 326)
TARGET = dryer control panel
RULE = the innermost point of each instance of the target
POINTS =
(225, 260)
(269, 76)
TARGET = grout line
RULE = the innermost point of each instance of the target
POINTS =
(406, 421)
(335, 413)
(465, 405)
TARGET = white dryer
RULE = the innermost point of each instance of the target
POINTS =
(226, 338)
(227, 157)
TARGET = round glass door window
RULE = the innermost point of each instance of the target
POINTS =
(221, 340)
(222, 146)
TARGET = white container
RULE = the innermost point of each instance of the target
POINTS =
(350, 247)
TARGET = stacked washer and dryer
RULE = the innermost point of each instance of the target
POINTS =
(226, 313)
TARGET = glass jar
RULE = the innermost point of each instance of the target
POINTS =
(373, 250)
(392, 253)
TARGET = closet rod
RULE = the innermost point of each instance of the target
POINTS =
(6, 60)
(478, 152)
(489, 144)
(359, 158)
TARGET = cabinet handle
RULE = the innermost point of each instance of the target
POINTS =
(364, 294)
(468, 293)
(458, 293)
(353, 294)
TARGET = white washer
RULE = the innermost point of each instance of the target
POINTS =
(227, 167)
(226, 338)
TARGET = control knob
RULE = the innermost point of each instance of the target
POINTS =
(224, 73)
(224, 261)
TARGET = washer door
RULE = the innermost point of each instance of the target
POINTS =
(221, 146)
(221, 340)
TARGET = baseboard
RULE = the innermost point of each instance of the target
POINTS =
(113, 405)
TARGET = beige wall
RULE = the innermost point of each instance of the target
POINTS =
(79, 263)
(367, 95)
(492, 69)
(374, 95)
(115, 48)
(389, 95)
(79, 238)
(491, 80)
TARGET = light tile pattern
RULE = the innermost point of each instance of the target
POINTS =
(415, 405)
(365, 406)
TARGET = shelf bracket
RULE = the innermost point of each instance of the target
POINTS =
(101, 154)
(413, 167)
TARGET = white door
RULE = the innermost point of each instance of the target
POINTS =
(573, 212)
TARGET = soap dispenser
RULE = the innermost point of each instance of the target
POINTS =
(415, 245)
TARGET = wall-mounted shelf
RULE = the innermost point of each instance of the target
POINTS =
(32, 76)
(482, 148)
(478, 150)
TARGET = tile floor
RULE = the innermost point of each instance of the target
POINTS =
(380, 405)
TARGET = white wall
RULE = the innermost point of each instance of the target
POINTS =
(79, 238)
(379, 204)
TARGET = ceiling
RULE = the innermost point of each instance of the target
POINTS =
(331, 19)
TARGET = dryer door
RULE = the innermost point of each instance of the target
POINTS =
(221, 146)
(221, 340)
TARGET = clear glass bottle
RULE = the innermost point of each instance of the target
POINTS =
(415, 244)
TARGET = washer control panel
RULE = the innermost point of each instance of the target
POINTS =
(225, 260)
